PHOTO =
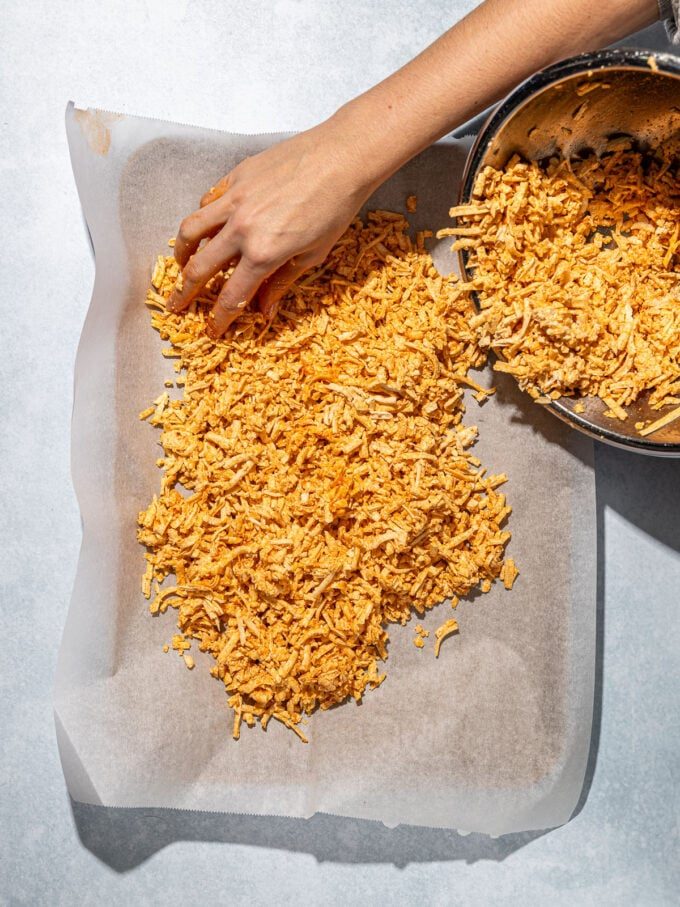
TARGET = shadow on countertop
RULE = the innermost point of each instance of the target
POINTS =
(124, 838)
(637, 488)
(641, 489)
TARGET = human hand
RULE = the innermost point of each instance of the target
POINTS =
(276, 214)
(279, 213)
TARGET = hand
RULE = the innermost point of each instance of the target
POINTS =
(277, 214)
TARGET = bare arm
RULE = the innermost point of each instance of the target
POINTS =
(476, 63)
(280, 212)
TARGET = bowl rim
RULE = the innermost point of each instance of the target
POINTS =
(610, 58)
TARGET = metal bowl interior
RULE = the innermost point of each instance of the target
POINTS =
(571, 107)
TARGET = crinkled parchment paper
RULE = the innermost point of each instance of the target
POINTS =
(491, 737)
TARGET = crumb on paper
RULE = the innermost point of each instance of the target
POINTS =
(579, 408)
(411, 204)
(166, 648)
(189, 662)
(441, 633)
(509, 573)
(576, 265)
(421, 636)
(180, 644)
(146, 579)
(317, 480)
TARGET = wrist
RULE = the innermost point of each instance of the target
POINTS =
(363, 151)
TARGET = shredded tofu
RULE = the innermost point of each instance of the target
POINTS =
(421, 636)
(577, 269)
(317, 483)
(509, 573)
(448, 628)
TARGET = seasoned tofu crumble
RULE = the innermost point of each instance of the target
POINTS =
(317, 479)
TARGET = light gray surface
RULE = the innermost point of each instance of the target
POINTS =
(256, 66)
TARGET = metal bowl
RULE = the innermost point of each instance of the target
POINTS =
(544, 116)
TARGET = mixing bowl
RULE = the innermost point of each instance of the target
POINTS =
(550, 114)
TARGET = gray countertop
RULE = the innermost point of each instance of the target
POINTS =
(252, 67)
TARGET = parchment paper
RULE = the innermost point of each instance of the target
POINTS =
(492, 737)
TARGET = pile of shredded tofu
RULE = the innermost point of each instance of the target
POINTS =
(317, 479)
(576, 265)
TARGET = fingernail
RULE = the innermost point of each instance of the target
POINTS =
(171, 304)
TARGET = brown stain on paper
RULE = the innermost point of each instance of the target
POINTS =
(94, 125)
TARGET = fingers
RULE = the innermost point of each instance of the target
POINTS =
(276, 286)
(200, 268)
(197, 227)
(215, 192)
(235, 295)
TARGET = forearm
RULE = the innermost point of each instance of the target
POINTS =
(472, 65)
